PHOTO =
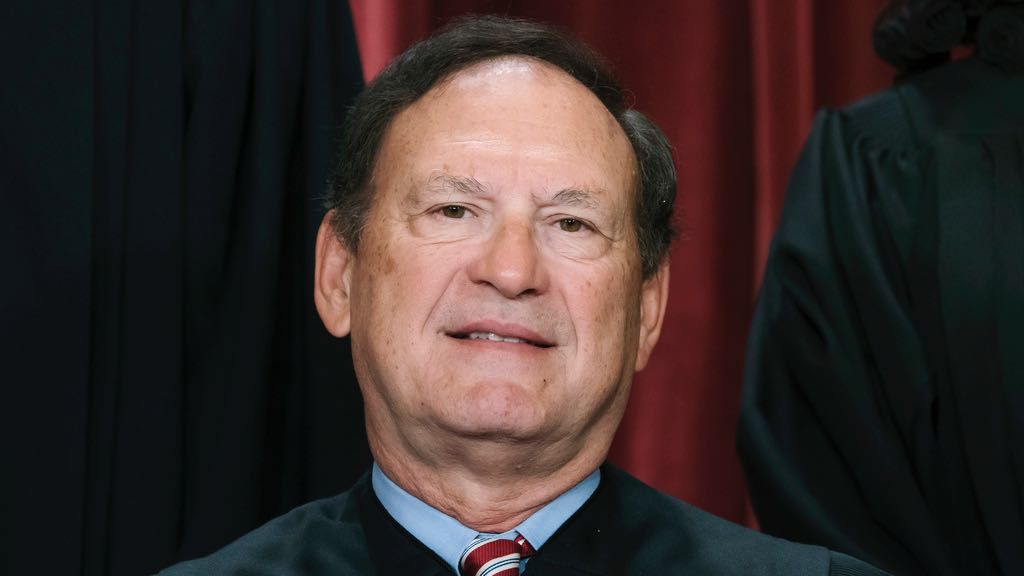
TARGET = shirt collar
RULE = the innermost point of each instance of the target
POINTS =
(448, 538)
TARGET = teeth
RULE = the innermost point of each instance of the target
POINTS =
(494, 337)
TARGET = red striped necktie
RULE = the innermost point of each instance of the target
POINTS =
(494, 556)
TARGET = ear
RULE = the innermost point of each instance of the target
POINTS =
(332, 279)
(653, 299)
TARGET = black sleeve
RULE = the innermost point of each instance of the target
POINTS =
(834, 364)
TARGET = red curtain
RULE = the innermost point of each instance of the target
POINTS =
(734, 84)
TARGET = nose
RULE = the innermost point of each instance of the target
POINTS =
(510, 261)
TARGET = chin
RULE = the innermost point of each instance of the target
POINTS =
(498, 411)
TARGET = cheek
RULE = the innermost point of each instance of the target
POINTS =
(401, 284)
(606, 312)
(605, 316)
(378, 253)
(387, 262)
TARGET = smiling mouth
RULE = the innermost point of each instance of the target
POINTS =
(492, 337)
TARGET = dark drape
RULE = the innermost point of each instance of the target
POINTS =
(734, 84)
(167, 383)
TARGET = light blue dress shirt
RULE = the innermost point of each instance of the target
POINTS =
(448, 538)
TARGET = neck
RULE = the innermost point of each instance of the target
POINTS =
(488, 486)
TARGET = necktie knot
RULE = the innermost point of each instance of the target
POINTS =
(490, 556)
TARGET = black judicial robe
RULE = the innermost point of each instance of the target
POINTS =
(883, 410)
(626, 527)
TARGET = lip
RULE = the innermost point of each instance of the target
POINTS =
(504, 329)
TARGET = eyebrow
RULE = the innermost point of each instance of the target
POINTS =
(577, 197)
(461, 184)
(448, 183)
(443, 184)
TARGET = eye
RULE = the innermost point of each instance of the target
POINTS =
(453, 211)
(570, 225)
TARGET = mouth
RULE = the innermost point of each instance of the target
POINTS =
(531, 340)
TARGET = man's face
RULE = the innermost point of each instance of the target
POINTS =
(497, 291)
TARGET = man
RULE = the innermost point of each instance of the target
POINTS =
(496, 248)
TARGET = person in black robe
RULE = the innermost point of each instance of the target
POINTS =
(883, 405)
(497, 250)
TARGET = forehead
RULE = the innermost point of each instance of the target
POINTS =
(511, 108)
